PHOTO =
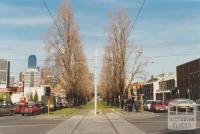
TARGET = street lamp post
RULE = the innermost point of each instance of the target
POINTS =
(95, 92)
(188, 93)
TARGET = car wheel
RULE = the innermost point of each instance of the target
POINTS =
(22, 114)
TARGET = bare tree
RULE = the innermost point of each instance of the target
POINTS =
(69, 68)
(121, 57)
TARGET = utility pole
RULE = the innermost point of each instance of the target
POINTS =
(188, 93)
(95, 83)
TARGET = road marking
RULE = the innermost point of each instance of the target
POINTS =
(27, 125)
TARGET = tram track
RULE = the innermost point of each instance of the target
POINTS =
(113, 126)
(78, 124)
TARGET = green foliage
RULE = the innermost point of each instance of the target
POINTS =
(8, 96)
(31, 97)
(35, 97)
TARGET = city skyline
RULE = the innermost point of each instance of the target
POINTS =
(27, 23)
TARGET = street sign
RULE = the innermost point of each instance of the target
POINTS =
(20, 84)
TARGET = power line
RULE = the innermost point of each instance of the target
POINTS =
(41, 60)
(92, 59)
(51, 16)
(173, 55)
(139, 13)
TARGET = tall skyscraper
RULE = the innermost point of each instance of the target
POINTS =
(4, 73)
(32, 61)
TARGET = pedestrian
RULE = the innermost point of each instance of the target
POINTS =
(137, 105)
(122, 104)
(129, 102)
(125, 104)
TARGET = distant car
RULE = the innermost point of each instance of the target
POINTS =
(42, 107)
(52, 107)
(30, 108)
(6, 108)
(185, 105)
(182, 105)
(17, 108)
(198, 104)
(158, 107)
(64, 104)
(147, 104)
(58, 105)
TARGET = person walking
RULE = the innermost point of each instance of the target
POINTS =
(137, 105)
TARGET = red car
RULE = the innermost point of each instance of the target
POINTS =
(17, 108)
(30, 109)
(158, 107)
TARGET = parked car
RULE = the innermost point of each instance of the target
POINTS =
(185, 105)
(198, 104)
(17, 108)
(158, 107)
(52, 107)
(30, 108)
(58, 105)
(6, 108)
(42, 107)
(64, 104)
(147, 104)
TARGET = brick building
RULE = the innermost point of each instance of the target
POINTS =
(188, 79)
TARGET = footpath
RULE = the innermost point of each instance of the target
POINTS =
(102, 123)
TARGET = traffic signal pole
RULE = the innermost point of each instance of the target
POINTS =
(48, 94)
(48, 105)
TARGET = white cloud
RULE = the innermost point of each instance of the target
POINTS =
(5, 8)
(37, 20)
(16, 15)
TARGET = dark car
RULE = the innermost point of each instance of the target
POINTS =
(58, 105)
(30, 109)
(65, 104)
(52, 107)
(6, 108)
(42, 107)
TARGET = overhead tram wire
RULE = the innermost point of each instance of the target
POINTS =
(139, 13)
(51, 16)
(173, 55)
(155, 57)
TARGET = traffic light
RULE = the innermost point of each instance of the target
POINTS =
(48, 91)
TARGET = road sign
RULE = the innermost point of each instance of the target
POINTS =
(20, 84)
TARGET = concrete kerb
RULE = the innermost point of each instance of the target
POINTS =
(54, 116)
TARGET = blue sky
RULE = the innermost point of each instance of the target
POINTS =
(165, 27)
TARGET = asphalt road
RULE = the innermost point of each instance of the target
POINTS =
(159, 125)
(18, 124)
